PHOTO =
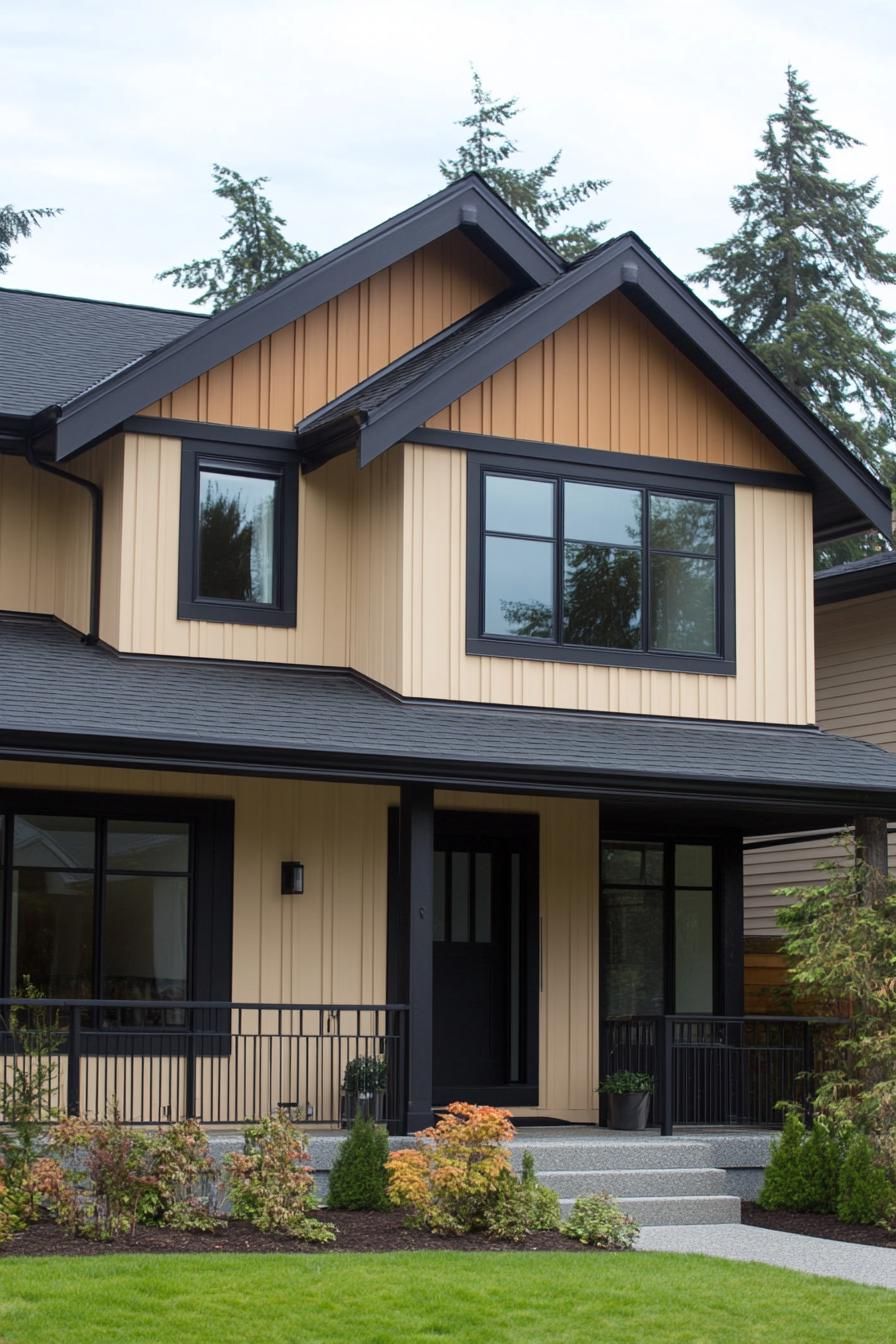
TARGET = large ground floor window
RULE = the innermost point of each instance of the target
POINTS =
(115, 897)
(658, 928)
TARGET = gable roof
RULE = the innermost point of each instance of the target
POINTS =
(388, 407)
(468, 205)
(179, 713)
(856, 578)
(53, 347)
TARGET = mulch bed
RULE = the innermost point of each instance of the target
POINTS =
(354, 1232)
(816, 1225)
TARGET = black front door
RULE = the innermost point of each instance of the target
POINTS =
(485, 959)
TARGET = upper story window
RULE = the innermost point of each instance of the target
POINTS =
(238, 536)
(581, 569)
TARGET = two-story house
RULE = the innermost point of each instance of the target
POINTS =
(416, 641)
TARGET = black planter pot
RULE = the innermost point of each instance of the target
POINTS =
(627, 1110)
(370, 1104)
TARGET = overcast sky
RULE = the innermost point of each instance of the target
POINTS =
(115, 111)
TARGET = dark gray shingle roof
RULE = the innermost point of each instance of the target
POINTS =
(54, 687)
(856, 578)
(53, 347)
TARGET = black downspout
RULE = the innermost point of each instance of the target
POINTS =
(96, 552)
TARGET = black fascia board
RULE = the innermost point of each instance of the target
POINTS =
(469, 205)
(862, 578)
(241, 436)
(360, 767)
(853, 497)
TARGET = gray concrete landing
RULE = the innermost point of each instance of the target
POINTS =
(813, 1255)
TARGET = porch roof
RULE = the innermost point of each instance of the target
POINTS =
(66, 701)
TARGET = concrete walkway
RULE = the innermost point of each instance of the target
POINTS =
(812, 1255)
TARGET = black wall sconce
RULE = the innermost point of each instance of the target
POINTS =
(292, 878)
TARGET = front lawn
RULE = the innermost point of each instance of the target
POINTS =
(424, 1296)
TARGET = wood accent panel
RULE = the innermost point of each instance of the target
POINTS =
(774, 628)
(45, 539)
(300, 367)
(610, 380)
(856, 696)
(767, 987)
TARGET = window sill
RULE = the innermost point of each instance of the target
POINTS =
(488, 647)
(236, 613)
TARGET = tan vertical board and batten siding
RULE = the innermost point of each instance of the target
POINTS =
(45, 539)
(299, 368)
(610, 380)
(855, 658)
(773, 530)
(329, 945)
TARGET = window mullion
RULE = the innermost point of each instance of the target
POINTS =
(99, 904)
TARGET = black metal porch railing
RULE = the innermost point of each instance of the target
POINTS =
(219, 1063)
(718, 1071)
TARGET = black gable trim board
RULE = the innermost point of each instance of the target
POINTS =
(164, 713)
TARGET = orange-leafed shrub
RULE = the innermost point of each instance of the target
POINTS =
(452, 1180)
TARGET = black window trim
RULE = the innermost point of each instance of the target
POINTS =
(210, 908)
(281, 464)
(480, 465)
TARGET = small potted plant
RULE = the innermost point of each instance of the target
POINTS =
(364, 1088)
(628, 1099)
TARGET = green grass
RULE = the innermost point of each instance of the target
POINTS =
(424, 1296)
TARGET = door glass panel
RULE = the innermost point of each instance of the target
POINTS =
(632, 933)
(460, 897)
(693, 952)
(519, 587)
(440, 861)
(693, 865)
(515, 1072)
(482, 868)
(640, 864)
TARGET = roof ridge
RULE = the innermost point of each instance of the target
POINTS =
(106, 303)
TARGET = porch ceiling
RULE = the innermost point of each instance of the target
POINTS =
(65, 701)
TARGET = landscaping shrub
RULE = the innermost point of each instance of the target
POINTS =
(523, 1206)
(182, 1188)
(270, 1182)
(103, 1183)
(358, 1179)
(597, 1220)
(821, 1158)
(865, 1194)
(783, 1187)
(10, 1214)
(451, 1181)
(27, 1089)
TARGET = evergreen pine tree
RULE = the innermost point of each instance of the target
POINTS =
(784, 1187)
(16, 224)
(531, 193)
(257, 255)
(794, 281)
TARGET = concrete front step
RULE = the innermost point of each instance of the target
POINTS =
(638, 1183)
(675, 1210)
(612, 1154)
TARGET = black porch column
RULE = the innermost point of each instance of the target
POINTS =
(416, 890)
(731, 926)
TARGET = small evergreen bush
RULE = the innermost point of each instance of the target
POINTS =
(821, 1157)
(358, 1179)
(597, 1220)
(784, 1186)
(865, 1194)
(522, 1206)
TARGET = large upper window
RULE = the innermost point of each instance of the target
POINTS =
(579, 569)
(238, 536)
